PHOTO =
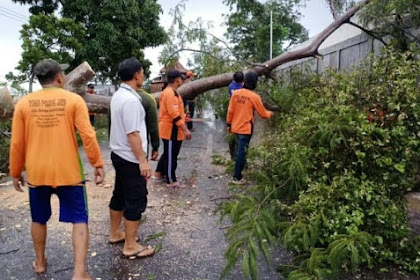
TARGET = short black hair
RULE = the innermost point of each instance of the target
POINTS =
(251, 80)
(165, 84)
(238, 77)
(47, 69)
(91, 85)
(173, 75)
(128, 67)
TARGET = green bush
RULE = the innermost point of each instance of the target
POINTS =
(331, 178)
(5, 128)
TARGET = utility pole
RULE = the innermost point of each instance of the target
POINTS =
(271, 34)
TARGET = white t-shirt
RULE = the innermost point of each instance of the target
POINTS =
(127, 116)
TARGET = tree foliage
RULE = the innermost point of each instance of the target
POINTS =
(393, 17)
(210, 55)
(46, 36)
(248, 27)
(331, 178)
(338, 7)
(113, 30)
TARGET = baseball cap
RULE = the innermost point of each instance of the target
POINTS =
(190, 74)
(48, 68)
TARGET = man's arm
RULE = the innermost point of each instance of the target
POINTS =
(132, 118)
(259, 107)
(230, 112)
(175, 114)
(88, 136)
(17, 148)
(137, 147)
(152, 121)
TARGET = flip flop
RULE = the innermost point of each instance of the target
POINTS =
(137, 255)
(175, 185)
(121, 241)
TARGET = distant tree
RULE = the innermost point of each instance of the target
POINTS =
(248, 27)
(114, 29)
(46, 36)
(338, 7)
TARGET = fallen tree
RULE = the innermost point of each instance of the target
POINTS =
(78, 78)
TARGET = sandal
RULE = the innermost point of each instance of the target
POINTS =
(138, 254)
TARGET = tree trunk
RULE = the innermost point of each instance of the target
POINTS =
(194, 88)
(78, 78)
(6, 103)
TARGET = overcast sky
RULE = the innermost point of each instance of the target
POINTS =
(315, 18)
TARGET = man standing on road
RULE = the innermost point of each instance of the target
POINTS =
(237, 83)
(240, 120)
(172, 129)
(129, 146)
(44, 142)
(91, 90)
(150, 107)
(190, 103)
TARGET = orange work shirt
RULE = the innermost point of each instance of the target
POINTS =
(44, 138)
(240, 115)
(171, 115)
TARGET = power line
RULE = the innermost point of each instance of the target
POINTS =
(10, 17)
(9, 11)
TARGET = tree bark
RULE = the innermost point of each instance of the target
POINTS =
(6, 103)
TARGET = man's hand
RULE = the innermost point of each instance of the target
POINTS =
(145, 169)
(271, 113)
(155, 155)
(187, 134)
(228, 129)
(99, 175)
(18, 183)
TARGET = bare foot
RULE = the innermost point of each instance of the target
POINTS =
(117, 238)
(84, 276)
(158, 175)
(175, 185)
(40, 267)
(120, 238)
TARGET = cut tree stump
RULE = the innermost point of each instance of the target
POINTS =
(6, 104)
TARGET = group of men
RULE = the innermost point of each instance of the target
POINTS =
(44, 144)
(240, 118)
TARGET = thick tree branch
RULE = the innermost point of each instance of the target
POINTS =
(369, 32)
(78, 79)
(194, 88)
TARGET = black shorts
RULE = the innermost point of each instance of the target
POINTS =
(130, 190)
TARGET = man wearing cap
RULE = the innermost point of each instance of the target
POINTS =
(190, 103)
(91, 90)
(172, 129)
(44, 143)
(240, 120)
(128, 141)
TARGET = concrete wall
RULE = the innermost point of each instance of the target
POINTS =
(337, 52)
(341, 56)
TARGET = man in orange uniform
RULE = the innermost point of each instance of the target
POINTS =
(172, 128)
(240, 120)
(44, 142)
